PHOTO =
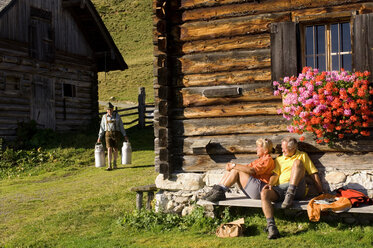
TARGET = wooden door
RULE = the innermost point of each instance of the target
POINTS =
(43, 103)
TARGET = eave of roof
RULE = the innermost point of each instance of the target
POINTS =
(89, 21)
(5, 5)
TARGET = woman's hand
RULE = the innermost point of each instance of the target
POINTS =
(229, 166)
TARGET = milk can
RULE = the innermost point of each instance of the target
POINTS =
(126, 153)
(99, 155)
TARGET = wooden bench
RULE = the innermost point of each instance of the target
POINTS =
(150, 189)
(237, 200)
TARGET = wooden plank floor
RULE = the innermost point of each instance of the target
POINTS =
(238, 200)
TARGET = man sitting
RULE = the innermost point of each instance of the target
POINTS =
(251, 178)
(287, 182)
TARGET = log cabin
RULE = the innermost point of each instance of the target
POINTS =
(50, 54)
(214, 65)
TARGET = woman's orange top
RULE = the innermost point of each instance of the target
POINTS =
(263, 167)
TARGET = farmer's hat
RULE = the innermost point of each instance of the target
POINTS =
(110, 106)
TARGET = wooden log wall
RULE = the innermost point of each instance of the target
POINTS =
(204, 48)
(14, 25)
(18, 74)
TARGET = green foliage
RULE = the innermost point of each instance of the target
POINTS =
(161, 222)
(37, 151)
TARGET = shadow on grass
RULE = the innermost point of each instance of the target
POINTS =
(29, 137)
(134, 167)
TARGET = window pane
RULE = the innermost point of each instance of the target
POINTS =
(335, 64)
(346, 62)
(321, 65)
(320, 31)
(334, 33)
(346, 38)
(309, 61)
(309, 40)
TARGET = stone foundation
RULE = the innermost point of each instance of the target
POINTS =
(179, 193)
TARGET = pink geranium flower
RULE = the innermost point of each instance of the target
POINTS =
(319, 102)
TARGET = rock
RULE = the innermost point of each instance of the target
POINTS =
(210, 214)
(187, 210)
(161, 201)
(360, 181)
(180, 181)
(189, 194)
(181, 199)
(335, 177)
(179, 208)
(213, 177)
(170, 205)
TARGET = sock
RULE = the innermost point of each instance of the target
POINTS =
(225, 188)
(292, 188)
(271, 221)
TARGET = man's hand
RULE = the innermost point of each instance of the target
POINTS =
(98, 140)
(267, 186)
(125, 138)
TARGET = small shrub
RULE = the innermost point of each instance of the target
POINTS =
(161, 222)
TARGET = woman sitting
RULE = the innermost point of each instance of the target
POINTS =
(251, 178)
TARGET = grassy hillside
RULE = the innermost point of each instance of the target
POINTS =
(130, 24)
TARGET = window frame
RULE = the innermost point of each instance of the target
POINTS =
(327, 23)
(73, 88)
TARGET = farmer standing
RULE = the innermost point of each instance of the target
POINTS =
(112, 126)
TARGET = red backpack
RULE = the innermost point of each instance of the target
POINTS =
(356, 197)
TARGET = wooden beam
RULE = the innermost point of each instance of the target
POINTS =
(225, 78)
(245, 143)
(255, 108)
(254, 8)
(237, 125)
(249, 42)
(246, 93)
(322, 161)
(230, 27)
(325, 13)
(225, 61)
(294, 4)
(199, 146)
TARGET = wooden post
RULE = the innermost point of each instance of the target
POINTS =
(149, 200)
(139, 200)
(141, 107)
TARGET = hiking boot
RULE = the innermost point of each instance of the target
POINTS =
(273, 232)
(217, 194)
(208, 193)
(288, 201)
